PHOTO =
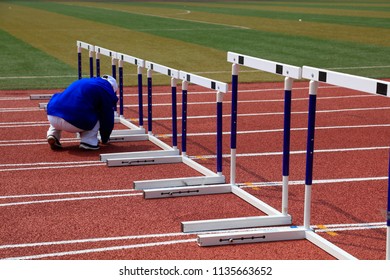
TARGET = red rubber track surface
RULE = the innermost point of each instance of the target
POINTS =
(68, 205)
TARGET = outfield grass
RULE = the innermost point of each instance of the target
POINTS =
(39, 49)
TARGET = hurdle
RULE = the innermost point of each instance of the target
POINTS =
(189, 185)
(134, 133)
(273, 217)
(315, 76)
(168, 154)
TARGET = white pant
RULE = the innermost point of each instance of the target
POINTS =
(57, 125)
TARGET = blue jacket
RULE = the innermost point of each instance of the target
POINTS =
(85, 102)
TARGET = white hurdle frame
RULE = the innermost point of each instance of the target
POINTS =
(292, 232)
(188, 185)
(368, 85)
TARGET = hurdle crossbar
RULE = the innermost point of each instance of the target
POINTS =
(188, 185)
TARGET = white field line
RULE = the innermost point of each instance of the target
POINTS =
(333, 228)
(175, 18)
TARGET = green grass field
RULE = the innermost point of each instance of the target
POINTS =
(38, 38)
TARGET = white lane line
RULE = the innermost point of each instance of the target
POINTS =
(294, 152)
(243, 185)
(318, 181)
(68, 199)
(66, 193)
(202, 157)
(50, 163)
(91, 240)
(10, 110)
(104, 249)
(279, 113)
(333, 228)
(52, 167)
(26, 142)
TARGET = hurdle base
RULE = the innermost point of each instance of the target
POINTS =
(253, 236)
(40, 96)
(115, 159)
(127, 132)
(273, 234)
(128, 138)
(145, 160)
(187, 191)
(178, 182)
(235, 223)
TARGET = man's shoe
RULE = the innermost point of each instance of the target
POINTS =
(86, 146)
(54, 143)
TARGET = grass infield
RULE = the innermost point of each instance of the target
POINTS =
(38, 48)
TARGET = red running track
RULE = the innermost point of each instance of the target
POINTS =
(69, 205)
